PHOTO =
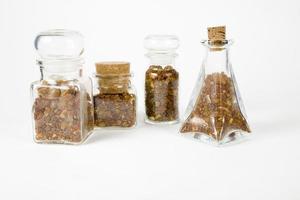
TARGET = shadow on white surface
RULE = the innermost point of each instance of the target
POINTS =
(274, 125)
(102, 134)
(141, 129)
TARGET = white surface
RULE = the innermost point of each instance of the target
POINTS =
(154, 163)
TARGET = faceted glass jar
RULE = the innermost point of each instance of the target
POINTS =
(62, 105)
(114, 101)
(161, 80)
(216, 113)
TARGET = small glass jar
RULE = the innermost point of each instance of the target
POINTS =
(161, 80)
(62, 109)
(114, 96)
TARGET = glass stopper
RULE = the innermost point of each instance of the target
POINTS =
(59, 44)
(162, 43)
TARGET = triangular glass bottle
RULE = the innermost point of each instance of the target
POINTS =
(215, 113)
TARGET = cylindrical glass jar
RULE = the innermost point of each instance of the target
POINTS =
(62, 109)
(114, 95)
(161, 80)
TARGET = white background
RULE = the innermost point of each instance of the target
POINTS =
(156, 162)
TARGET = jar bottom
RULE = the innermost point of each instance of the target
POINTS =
(115, 128)
(67, 142)
(231, 139)
(148, 121)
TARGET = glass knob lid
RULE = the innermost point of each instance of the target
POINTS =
(59, 44)
(161, 42)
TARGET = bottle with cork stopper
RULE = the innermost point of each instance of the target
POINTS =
(62, 106)
(215, 113)
(114, 96)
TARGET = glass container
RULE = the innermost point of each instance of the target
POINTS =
(216, 113)
(114, 96)
(161, 80)
(62, 107)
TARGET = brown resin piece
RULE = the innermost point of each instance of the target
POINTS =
(216, 112)
(115, 103)
(57, 113)
(161, 87)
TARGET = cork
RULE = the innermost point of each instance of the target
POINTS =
(216, 33)
(112, 68)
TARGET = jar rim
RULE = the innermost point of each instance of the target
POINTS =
(217, 43)
(60, 65)
(62, 62)
(124, 75)
(161, 53)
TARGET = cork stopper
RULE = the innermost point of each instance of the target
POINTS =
(113, 77)
(112, 68)
(216, 33)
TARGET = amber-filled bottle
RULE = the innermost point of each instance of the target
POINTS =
(161, 80)
(114, 96)
(216, 113)
(62, 105)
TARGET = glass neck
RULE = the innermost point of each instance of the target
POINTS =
(217, 60)
(162, 59)
(60, 71)
(116, 83)
(115, 80)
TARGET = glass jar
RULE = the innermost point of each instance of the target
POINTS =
(161, 80)
(62, 109)
(114, 95)
(216, 113)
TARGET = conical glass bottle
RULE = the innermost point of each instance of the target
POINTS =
(215, 113)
